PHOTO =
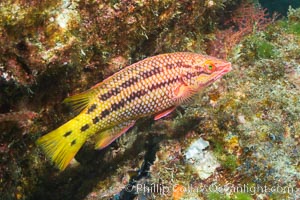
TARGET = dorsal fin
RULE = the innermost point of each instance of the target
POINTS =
(80, 101)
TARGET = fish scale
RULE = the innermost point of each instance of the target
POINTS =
(153, 86)
(151, 102)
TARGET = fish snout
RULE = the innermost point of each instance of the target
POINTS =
(224, 67)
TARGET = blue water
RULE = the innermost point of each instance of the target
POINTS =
(279, 6)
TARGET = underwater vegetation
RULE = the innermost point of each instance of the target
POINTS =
(246, 19)
(245, 126)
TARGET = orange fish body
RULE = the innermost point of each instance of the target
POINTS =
(153, 86)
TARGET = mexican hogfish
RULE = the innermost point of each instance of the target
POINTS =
(153, 86)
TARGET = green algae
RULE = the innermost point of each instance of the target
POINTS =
(242, 196)
(265, 50)
(230, 162)
(259, 46)
(227, 160)
(217, 196)
(237, 196)
(292, 24)
(294, 28)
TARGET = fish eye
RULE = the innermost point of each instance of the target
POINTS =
(209, 67)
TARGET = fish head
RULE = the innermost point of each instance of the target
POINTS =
(208, 69)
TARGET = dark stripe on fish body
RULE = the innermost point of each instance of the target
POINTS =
(197, 73)
(67, 133)
(104, 113)
(185, 66)
(85, 127)
(190, 75)
(156, 86)
(73, 142)
(131, 81)
(177, 64)
(137, 94)
(92, 108)
(110, 93)
(134, 95)
(171, 66)
(118, 105)
(95, 120)
(203, 72)
(104, 97)
(162, 84)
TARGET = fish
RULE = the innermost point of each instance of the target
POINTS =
(154, 86)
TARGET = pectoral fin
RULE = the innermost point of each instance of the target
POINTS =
(182, 93)
(107, 137)
(164, 113)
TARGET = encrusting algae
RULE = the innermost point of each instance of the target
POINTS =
(156, 85)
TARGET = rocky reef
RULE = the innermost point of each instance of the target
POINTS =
(245, 127)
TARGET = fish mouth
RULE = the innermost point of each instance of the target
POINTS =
(226, 67)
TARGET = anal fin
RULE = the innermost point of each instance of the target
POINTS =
(107, 137)
(164, 113)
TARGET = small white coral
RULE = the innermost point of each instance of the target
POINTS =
(201, 160)
(210, 3)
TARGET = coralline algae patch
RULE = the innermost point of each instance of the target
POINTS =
(87, 34)
(60, 28)
(46, 36)
(67, 14)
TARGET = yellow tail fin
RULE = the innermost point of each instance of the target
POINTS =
(62, 144)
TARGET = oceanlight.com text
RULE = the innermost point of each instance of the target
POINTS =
(167, 190)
